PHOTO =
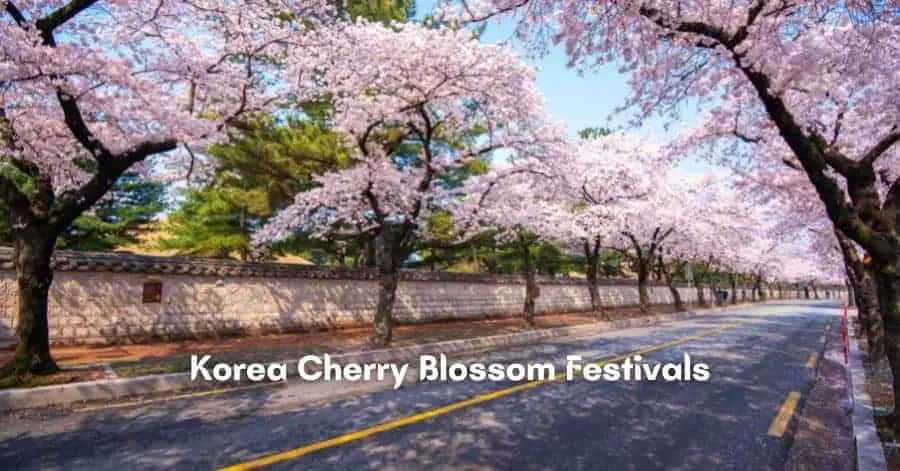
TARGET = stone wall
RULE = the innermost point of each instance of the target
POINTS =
(109, 298)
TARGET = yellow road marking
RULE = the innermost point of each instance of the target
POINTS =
(812, 360)
(176, 397)
(446, 409)
(781, 421)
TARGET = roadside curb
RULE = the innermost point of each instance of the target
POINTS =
(118, 388)
(869, 452)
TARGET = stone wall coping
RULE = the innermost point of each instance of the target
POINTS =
(123, 262)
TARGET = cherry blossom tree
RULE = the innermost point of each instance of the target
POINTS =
(573, 199)
(791, 74)
(591, 182)
(721, 231)
(817, 79)
(744, 230)
(418, 105)
(701, 241)
(90, 89)
(648, 222)
(773, 174)
(681, 251)
(516, 202)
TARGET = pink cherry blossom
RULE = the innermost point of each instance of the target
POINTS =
(419, 85)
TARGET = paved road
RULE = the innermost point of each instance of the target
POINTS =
(758, 356)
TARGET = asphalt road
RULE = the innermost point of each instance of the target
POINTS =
(739, 419)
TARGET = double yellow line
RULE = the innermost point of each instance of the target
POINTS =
(447, 409)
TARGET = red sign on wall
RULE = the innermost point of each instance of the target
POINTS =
(152, 292)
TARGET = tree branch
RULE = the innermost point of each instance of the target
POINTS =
(881, 147)
(695, 27)
(636, 245)
(811, 159)
(73, 117)
(791, 163)
(498, 12)
(373, 202)
(746, 138)
(63, 14)
(72, 203)
(15, 13)
(891, 207)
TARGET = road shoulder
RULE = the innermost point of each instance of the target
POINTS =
(823, 440)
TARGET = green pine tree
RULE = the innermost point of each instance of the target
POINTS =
(259, 172)
(212, 222)
(132, 204)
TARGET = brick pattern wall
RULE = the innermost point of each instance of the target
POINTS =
(97, 306)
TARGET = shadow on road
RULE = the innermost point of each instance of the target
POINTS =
(720, 424)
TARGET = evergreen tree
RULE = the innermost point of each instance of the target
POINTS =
(212, 222)
(133, 202)
(259, 172)
(263, 169)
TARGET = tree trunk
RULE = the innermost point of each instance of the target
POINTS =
(644, 259)
(870, 309)
(699, 280)
(594, 291)
(342, 256)
(33, 252)
(815, 291)
(643, 294)
(760, 289)
(865, 294)
(369, 251)
(387, 264)
(743, 293)
(851, 287)
(531, 288)
(244, 250)
(592, 257)
(676, 296)
(716, 301)
(733, 294)
(701, 296)
(889, 304)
